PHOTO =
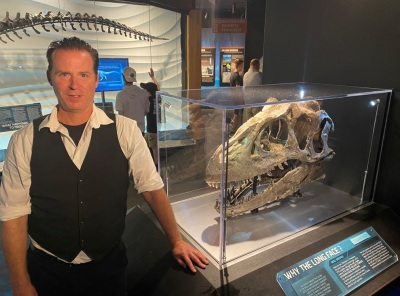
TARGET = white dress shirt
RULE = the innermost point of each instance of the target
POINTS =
(252, 77)
(16, 180)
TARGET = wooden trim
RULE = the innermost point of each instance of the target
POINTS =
(193, 50)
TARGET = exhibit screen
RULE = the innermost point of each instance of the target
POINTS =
(110, 74)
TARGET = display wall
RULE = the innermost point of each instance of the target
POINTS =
(23, 63)
(255, 34)
(341, 42)
(218, 41)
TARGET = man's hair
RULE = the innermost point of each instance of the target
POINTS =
(255, 63)
(238, 62)
(72, 43)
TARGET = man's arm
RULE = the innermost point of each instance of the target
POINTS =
(119, 105)
(15, 238)
(147, 105)
(153, 77)
(184, 253)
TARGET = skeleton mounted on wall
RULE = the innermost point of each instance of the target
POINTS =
(8, 25)
(272, 155)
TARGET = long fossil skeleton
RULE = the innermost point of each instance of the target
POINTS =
(8, 25)
(272, 155)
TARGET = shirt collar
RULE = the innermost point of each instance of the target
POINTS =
(98, 117)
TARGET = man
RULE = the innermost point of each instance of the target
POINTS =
(253, 76)
(132, 101)
(236, 80)
(151, 117)
(65, 182)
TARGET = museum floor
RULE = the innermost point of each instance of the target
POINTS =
(152, 270)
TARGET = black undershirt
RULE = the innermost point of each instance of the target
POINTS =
(75, 131)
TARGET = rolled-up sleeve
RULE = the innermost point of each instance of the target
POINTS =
(141, 164)
(16, 176)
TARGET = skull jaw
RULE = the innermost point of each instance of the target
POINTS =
(284, 187)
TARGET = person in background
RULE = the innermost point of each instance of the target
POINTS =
(236, 80)
(151, 117)
(132, 101)
(252, 77)
(64, 189)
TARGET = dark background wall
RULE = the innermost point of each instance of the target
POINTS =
(255, 27)
(346, 42)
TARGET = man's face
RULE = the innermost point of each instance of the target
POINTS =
(74, 81)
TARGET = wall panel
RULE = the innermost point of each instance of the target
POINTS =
(23, 63)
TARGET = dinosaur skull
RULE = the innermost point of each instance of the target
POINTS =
(272, 155)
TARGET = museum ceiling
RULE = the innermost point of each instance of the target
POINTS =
(186, 5)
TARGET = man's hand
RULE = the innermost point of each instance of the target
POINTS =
(187, 256)
(151, 73)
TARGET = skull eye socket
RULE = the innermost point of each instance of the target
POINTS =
(318, 142)
(301, 129)
(275, 132)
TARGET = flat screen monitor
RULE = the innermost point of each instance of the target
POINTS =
(110, 74)
(226, 57)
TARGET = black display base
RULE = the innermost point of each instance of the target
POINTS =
(152, 270)
(381, 218)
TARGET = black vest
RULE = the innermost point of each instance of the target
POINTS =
(74, 210)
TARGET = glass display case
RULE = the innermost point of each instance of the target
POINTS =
(296, 156)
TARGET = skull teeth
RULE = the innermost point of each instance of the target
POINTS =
(215, 185)
(237, 188)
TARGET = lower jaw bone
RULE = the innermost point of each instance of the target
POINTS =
(286, 186)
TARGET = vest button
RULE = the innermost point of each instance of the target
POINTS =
(81, 181)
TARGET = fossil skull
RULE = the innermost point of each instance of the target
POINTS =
(272, 155)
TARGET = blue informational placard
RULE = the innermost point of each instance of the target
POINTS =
(13, 118)
(339, 269)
